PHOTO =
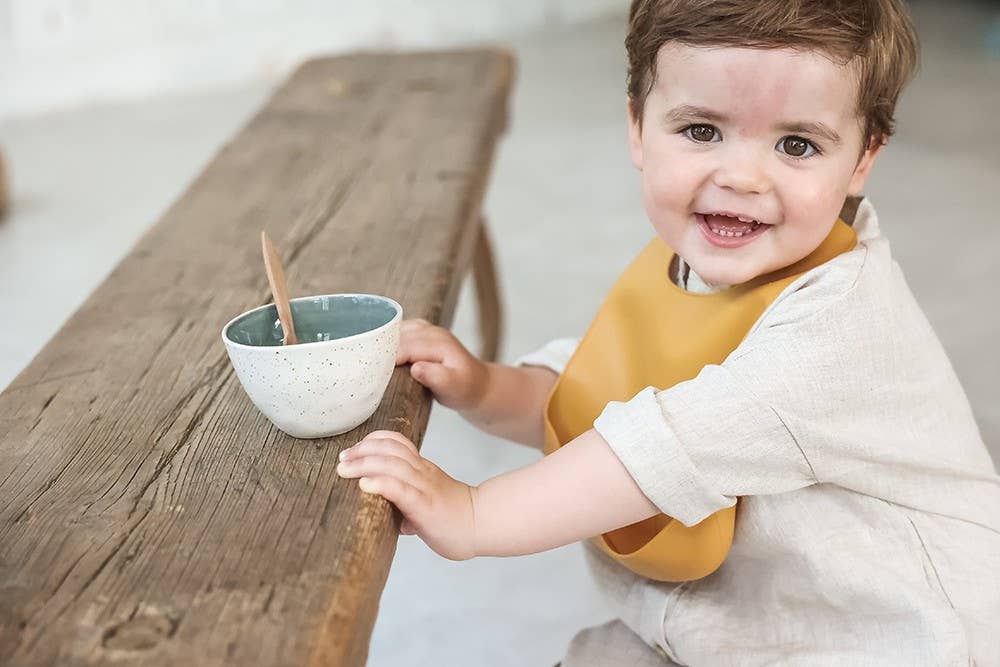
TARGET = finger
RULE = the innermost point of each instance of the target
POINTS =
(419, 348)
(432, 374)
(381, 466)
(430, 332)
(408, 499)
(379, 448)
(393, 435)
(414, 324)
(383, 446)
(436, 337)
(406, 527)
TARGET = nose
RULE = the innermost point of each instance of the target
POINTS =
(742, 172)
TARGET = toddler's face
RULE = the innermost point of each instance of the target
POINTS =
(747, 155)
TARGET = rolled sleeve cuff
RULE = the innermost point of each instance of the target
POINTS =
(639, 435)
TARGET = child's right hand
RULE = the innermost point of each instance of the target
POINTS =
(442, 364)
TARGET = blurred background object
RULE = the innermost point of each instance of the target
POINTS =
(63, 53)
(110, 107)
(4, 188)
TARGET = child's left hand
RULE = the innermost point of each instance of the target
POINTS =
(435, 507)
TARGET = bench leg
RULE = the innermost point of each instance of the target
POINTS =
(488, 294)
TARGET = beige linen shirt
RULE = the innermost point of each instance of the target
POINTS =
(868, 530)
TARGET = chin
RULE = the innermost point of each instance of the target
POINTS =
(732, 277)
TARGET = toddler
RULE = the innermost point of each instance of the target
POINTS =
(760, 439)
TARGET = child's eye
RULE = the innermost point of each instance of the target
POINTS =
(797, 147)
(701, 133)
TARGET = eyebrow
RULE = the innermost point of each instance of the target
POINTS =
(817, 129)
(690, 112)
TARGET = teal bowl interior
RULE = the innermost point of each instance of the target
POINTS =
(317, 319)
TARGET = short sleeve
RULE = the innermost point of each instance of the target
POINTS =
(554, 355)
(695, 447)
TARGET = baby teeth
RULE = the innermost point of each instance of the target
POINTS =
(723, 232)
(742, 219)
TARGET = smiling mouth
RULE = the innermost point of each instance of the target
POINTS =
(730, 230)
(726, 225)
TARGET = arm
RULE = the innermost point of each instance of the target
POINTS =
(505, 401)
(579, 491)
(512, 403)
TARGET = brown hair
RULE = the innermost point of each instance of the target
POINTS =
(877, 35)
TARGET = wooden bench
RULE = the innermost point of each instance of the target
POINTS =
(149, 514)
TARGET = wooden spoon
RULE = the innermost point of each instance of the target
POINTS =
(279, 290)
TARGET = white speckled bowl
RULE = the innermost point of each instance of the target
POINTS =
(333, 379)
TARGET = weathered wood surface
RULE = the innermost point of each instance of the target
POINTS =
(149, 514)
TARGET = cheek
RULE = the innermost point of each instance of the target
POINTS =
(667, 187)
(818, 199)
(665, 206)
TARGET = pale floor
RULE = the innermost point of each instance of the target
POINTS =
(566, 217)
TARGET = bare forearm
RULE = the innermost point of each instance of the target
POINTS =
(513, 403)
(579, 491)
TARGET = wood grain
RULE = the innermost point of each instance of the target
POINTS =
(149, 514)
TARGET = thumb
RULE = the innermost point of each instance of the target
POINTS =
(430, 374)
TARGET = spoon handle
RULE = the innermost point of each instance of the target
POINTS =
(279, 290)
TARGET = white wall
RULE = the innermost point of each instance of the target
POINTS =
(63, 53)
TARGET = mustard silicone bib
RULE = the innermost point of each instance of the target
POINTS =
(649, 332)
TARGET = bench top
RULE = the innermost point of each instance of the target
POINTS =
(148, 512)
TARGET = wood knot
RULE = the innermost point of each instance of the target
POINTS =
(140, 633)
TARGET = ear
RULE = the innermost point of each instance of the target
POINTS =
(864, 168)
(634, 135)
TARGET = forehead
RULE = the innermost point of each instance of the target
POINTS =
(757, 84)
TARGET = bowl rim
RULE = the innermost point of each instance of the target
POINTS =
(371, 332)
